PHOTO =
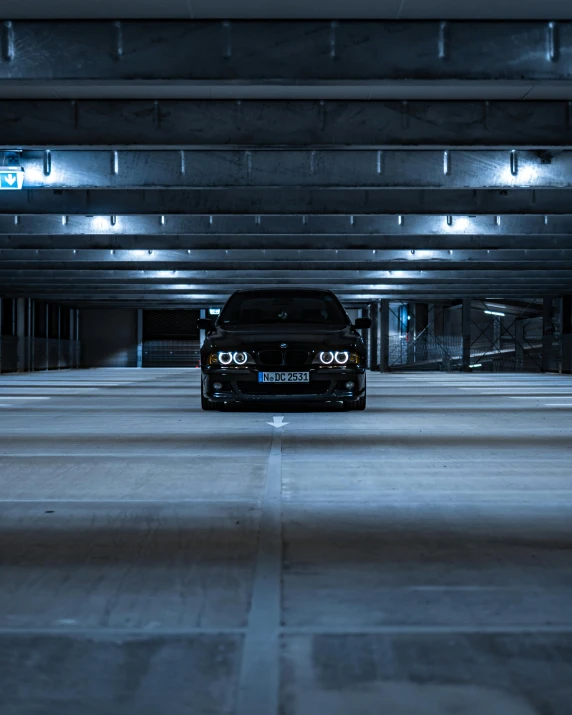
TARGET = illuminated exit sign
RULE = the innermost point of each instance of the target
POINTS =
(11, 179)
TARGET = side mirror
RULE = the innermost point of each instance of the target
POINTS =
(205, 324)
(362, 323)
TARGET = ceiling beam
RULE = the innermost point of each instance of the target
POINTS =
(289, 227)
(282, 258)
(260, 123)
(284, 201)
(121, 275)
(260, 51)
(320, 168)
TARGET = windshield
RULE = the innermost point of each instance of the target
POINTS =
(306, 307)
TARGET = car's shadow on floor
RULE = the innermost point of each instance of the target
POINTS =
(282, 409)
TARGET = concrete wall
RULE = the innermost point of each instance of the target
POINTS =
(108, 337)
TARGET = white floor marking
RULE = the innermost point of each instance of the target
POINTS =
(259, 676)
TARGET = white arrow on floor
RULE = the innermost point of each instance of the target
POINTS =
(278, 422)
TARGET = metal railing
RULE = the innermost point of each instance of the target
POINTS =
(445, 353)
(171, 353)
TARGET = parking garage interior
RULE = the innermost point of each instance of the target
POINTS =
(415, 159)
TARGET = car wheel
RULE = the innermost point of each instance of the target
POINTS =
(359, 405)
(206, 404)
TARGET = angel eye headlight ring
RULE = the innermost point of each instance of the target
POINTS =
(342, 357)
(239, 358)
(327, 357)
(225, 358)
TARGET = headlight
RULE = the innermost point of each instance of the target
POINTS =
(336, 357)
(227, 358)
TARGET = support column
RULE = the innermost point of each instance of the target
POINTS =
(447, 340)
(519, 344)
(365, 336)
(47, 336)
(1, 330)
(566, 335)
(20, 332)
(140, 338)
(421, 318)
(202, 333)
(547, 334)
(466, 333)
(32, 332)
(431, 319)
(384, 336)
(373, 337)
(59, 365)
(77, 351)
(497, 330)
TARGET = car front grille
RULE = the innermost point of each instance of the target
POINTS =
(295, 358)
(280, 358)
(319, 387)
(270, 358)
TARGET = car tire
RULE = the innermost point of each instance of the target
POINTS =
(358, 405)
(206, 404)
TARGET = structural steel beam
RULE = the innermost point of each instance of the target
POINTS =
(321, 168)
(216, 294)
(287, 241)
(287, 201)
(275, 225)
(281, 258)
(257, 123)
(266, 51)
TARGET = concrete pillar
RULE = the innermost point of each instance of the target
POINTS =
(1, 331)
(202, 333)
(20, 332)
(431, 319)
(373, 337)
(140, 338)
(519, 344)
(384, 336)
(466, 333)
(420, 330)
(497, 329)
(32, 331)
(447, 340)
(547, 334)
(566, 334)
(365, 335)
(47, 336)
(77, 351)
(59, 365)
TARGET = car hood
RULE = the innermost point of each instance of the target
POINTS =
(271, 337)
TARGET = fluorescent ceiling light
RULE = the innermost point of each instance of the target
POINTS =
(492, 312)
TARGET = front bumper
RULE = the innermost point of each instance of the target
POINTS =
(240, 385)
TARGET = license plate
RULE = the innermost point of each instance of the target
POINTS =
(283, 377)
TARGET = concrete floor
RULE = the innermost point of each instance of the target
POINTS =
(413, 559)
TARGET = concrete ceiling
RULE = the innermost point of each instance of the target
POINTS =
(174, 203)
(280, 9)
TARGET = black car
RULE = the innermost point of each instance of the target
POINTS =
(286, 345)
